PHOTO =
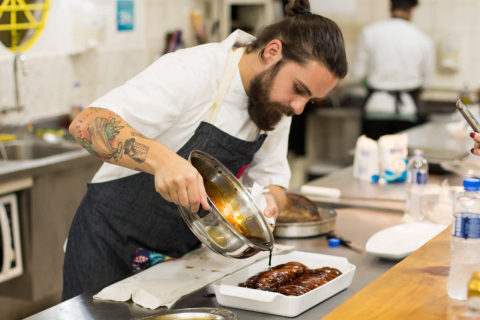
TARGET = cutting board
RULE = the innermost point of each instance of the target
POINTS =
(415, 288)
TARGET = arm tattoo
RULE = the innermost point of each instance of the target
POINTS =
(135, 150)
(101, 133)
(138, 134)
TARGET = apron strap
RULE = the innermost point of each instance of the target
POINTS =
(225, 84)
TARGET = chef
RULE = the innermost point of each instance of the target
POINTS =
(396, 61)
(232, 100)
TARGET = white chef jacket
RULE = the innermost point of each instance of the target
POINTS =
(393, 55)
(169, 99)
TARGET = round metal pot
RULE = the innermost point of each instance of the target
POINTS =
(249, 233)
(308, 229)
(193, 313)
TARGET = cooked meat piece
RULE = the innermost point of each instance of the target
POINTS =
(298, 209)
(333, 271)
(291, 279)
(306, 283)
(275, 278)
(291, 265)
(250, 283)
(291, 290)
(318, 281)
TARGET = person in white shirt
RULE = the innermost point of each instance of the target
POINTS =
(396, 60)
(221, 98)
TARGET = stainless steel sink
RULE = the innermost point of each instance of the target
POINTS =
(35, 149)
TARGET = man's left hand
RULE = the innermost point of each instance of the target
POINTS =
(272, 208)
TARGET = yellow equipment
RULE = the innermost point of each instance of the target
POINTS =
(21, 22)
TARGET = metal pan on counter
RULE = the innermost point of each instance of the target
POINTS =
(298, 225)
(308, 229)
(193, 314)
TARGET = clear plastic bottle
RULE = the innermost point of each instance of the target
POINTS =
(417, 169)
(417, 173)
(465, 241)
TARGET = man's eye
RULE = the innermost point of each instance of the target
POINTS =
(297, 90)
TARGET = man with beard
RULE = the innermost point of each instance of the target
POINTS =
(221, 98)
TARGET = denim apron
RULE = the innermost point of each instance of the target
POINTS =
(117, 218)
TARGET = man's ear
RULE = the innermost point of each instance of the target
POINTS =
(273, 52)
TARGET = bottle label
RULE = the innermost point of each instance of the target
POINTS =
(466, 225)
(415, 176)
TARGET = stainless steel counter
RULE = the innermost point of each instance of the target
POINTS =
(348, 221)
(380, 208)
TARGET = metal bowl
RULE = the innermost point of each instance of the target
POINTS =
(212, 228)
(193, 314)
(308, 229)
(464, 168)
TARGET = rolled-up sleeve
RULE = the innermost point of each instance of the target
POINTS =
(151, 101)
(270, 164)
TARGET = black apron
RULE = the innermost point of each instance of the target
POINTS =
(117, 217)
(374, 129)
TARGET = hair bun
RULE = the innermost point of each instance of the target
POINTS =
(296, 6)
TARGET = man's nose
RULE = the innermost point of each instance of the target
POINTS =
(298, 105)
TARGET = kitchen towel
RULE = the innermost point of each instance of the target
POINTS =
(165, 283)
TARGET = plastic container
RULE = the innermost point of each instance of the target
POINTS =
(229, 294)
(465, 241)
(417, 173)
(417, 168)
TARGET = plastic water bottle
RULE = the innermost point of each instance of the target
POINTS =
(465, 241)
(417, 173)
(417, 169)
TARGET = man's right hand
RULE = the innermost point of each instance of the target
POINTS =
(179, 182)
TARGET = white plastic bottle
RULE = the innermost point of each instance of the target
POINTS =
(417, 174)
(465, 241)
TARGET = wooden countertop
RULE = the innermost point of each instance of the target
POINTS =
(416, 288)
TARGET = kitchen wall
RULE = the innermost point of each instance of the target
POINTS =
(441, 20)
(55, 60)
(58, 58)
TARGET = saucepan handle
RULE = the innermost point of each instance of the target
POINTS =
(202, 213)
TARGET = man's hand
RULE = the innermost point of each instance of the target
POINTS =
(179, 182)
(276, 200)
(272, 209)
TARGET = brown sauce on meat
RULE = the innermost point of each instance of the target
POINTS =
(291, 279)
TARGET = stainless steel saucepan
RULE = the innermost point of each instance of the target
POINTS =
(234, 226)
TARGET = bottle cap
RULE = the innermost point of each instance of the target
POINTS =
(418, 153)
(476, 275)
(333, 242)
(471, 184)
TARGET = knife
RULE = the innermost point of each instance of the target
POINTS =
(344, 242)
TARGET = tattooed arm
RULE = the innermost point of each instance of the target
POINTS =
(108, 137)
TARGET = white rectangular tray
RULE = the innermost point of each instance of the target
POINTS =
(229, 294)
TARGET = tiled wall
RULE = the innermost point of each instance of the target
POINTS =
(54, 64)
(119, 56)
(438, 19)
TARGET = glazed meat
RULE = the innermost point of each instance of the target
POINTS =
(291, 279)
(250, 283)
(291, 290)
(291, 265)
(275, 278)
(333, 271)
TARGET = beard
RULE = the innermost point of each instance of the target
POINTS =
(265, 113)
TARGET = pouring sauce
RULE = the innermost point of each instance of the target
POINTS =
(226, 206)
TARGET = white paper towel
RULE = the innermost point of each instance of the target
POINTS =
(165, 283)
(321, 191)
(258, 194)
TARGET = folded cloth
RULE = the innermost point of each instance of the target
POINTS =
(258, 194)
(165, 283)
